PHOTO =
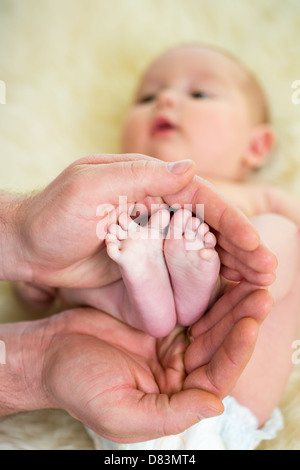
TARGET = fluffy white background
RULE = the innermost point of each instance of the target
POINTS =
(70, 67)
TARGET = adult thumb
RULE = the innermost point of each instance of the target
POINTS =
(150, 416)
(134, 176)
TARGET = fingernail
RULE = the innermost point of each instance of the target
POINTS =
(178, 168)
(206, 413)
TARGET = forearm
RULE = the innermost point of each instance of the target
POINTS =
(13, 264)
(12, 395)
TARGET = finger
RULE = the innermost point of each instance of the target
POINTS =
(232, 265)
(137, 416)
(262, 260)
(101, 158)
(256, 305)
(220, 214)
(134, 177)
(239, 300)
(220, 375)
(230, 274)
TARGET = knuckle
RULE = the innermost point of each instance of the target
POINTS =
(139, 169)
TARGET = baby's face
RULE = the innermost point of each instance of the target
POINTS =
(191, 104)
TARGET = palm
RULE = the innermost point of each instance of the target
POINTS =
(118, 358)
(122, 382)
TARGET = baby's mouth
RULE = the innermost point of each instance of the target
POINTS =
(162, 126)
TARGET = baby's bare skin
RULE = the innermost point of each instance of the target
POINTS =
(180, 270)
(195, 102)
(193, 264)
(138, 251)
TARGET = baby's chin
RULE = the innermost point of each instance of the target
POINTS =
(165, 151)
(167, 155)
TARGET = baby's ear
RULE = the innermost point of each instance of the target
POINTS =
(261, 142)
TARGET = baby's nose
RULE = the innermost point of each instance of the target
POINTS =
(167, 98)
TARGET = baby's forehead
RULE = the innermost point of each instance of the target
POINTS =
(198, 61)
(208, 64)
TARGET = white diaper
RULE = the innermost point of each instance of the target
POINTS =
(235, 429)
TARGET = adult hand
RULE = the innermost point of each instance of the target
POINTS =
(122, 383)
(241, 252)
(53, 239)
(232, 317)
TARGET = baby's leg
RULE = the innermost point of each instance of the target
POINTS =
(139, 254)
(144, 297)
(193, 264)
(265, 377)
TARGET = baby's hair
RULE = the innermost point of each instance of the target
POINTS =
(252, 87)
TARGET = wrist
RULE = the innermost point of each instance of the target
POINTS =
(22, 375)
(13, 263)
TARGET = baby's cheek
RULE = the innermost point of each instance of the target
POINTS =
(133, 135)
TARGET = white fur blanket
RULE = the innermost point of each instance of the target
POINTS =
(70, 67)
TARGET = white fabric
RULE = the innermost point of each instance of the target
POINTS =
(235, 429)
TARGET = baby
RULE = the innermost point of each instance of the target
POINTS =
(168, 278)
(200, 103)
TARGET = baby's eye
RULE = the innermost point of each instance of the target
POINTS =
(200, 95)
(146, 99)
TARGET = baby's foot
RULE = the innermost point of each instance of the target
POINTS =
(193, 264)
(149, 305)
